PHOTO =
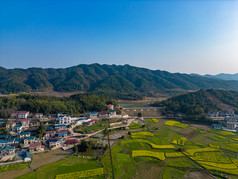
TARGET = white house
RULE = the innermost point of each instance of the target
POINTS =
(217, 126)
(64, 119)
(22, 114)
(93, 114)
(112, 113)
(231, 124)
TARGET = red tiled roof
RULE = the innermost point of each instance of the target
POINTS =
(63, 131)
(35, 144)
(110, 105)
(22, 112)
(50, 132)
(70, 141)
(22, 120)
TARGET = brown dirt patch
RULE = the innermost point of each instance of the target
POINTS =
(197, 175)
(159, 124)
(201, 126)
(42, 159)
(148, 172)
(14, 173)
(188, 133)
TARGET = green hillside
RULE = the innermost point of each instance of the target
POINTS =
(201, 102)
(113, 80)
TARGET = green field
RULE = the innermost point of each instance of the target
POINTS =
(192, 149)
(135, 125)
(67, 165)
(16, 166)
(151, 121)
(99, 125)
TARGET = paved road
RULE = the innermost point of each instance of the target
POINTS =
(89, 135)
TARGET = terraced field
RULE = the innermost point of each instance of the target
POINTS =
(166, 153)
(160, 149)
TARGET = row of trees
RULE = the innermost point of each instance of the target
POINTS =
(73, 105)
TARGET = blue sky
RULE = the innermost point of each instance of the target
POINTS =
(190, 36)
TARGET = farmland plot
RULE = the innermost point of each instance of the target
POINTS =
(146, 153)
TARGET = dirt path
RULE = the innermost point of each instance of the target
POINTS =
(42, 159)
(218, 102)
(197, 175)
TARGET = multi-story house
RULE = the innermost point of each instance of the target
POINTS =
(64, 119)
(93, 114)
(25, 123)
(29, 140)
(55, 143)
(24, 135)
(36, 147)
(49, 134)
(7, 150)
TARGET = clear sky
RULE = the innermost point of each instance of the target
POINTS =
(188, 36)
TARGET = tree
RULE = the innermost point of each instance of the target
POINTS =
(139, 114)
(41, 130)
(76, 150)
(86, 146)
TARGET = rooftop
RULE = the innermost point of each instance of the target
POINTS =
(35, 144)
(29, 138)
(7, 148)
(25, 133)
(22, 112)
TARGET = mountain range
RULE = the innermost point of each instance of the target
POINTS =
(113, 80)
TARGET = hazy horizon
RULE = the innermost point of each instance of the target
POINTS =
(117, 64)
(177, 36)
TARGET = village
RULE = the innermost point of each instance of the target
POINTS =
(228, 120)
(28, 133)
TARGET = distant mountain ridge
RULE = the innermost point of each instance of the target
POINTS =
(222, 76)
(112, 80)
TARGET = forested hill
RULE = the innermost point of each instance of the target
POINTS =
(202, 102)
(114, 80)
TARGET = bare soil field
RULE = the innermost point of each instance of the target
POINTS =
(148, 172)
(201, 126)
(197, 175)
(38, 160)
(42, 159)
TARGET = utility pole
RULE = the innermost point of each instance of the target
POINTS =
(109, 145)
